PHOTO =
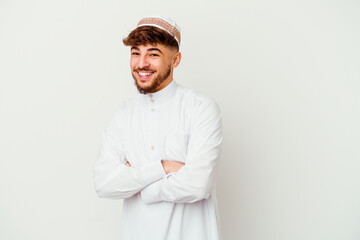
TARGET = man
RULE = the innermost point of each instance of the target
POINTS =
(161, 149)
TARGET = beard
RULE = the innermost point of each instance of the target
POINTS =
(156, 82)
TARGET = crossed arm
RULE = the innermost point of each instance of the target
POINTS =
(169, 166)
(163, 180)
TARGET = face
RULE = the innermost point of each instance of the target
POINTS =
(152, 66)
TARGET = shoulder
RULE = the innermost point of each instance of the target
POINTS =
(197, 100)
(126, 106)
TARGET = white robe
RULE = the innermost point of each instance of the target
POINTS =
(178, 124)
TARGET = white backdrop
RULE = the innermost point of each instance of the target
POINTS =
(285, 74)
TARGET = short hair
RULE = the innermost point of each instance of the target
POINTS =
(144, 35)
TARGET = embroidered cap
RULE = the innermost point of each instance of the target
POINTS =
(165, 23)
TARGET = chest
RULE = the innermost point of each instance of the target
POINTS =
(154, 131)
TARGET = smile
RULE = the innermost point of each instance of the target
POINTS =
(144, 75)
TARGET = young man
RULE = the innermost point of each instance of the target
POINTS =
(161, 149)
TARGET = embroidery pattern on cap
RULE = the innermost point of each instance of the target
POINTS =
(167, 26)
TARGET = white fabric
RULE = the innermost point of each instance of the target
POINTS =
(175, 123)
(166, 19)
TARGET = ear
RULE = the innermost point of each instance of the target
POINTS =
(177, 59)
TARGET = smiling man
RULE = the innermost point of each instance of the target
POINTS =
(149, 69)
(161, 149)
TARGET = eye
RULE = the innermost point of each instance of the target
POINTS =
(154, 55)
(134, 53)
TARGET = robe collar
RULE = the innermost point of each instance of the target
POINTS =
(164, 93)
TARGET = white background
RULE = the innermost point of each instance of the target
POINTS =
(285, 74)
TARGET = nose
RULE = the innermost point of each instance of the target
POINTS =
(143, 62)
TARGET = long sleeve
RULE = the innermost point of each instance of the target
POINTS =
(113, 179)
(196, 179)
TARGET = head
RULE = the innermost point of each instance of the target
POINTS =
(154, 55)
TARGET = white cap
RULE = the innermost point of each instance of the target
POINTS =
(165, 23)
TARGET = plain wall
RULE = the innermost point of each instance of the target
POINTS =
(285, 74)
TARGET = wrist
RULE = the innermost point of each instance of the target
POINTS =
(165, 166)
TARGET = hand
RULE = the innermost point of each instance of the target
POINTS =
(171, 166)
(127, 164)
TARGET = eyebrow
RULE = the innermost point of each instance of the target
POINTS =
(154, 49)
(148, 50)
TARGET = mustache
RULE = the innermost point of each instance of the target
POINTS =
(144, 69)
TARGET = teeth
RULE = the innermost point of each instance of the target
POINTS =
(144, 74)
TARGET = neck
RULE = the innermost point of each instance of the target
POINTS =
(164, 84)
